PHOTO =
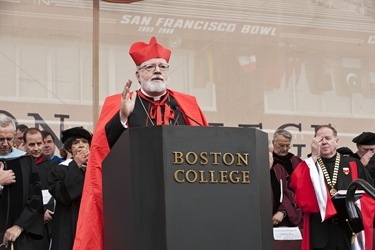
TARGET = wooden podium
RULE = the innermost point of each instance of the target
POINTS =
(188, 188)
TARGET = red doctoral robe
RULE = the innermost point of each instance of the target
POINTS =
(305, 183)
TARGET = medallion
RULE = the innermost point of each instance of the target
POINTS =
(330, 182)
(333, 191)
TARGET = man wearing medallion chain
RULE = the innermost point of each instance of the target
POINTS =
(315, 181)
(153, 104)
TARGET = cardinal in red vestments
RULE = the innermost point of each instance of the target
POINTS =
(153, 104)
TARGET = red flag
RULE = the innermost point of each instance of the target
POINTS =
(248, 63)
(271, 70)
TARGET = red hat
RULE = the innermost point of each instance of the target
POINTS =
(141, 52)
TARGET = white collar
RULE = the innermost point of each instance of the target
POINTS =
(156, 98)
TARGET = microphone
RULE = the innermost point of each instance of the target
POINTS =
(174, 105)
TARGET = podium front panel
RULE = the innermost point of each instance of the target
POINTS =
(188, 188)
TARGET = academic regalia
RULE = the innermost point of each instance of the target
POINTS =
(90, 222)
(21, 203)
(283, 199)
(66, 184)
(313, 197)
(289, 161)
(57, 159)
(44, 166)
(370, 166)
(15, 153)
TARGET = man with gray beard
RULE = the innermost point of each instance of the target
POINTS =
(153, 104)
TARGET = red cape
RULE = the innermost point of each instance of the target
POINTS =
(305, 197)
(89, 233)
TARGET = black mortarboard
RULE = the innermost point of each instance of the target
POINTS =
(366, 138)
(79, 132)
(345, 151)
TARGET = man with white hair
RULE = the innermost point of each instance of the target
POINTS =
(153, 104)
(21, 204)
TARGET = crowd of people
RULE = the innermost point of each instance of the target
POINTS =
(42, 194)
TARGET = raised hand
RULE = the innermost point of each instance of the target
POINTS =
(127, 101)
(366, 157)
(315, 147)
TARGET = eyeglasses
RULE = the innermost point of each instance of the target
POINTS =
(9, 139)
(152, 67)
(284, 145)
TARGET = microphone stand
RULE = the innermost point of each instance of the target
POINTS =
(179, 110)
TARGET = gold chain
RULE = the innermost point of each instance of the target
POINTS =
(335, 173)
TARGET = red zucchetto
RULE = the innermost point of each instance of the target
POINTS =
(141, 52)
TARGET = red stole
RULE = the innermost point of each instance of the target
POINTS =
(155, 111)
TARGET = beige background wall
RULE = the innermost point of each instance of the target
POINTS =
(264, 63)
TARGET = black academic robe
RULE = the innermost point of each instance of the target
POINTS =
(21, 203)
(370, 166)
(289, 162)
(44, 168)
(66, 184)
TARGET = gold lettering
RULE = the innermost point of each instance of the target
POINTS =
(203, 157)
(177, 158)
(195, 158)
(225, 159)
(215, 160)
(234, 179)
(202, 178)
(176, 176)
(242, 158)
(245, 177)
(223, 176)
(212, 177)
(195, 176)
